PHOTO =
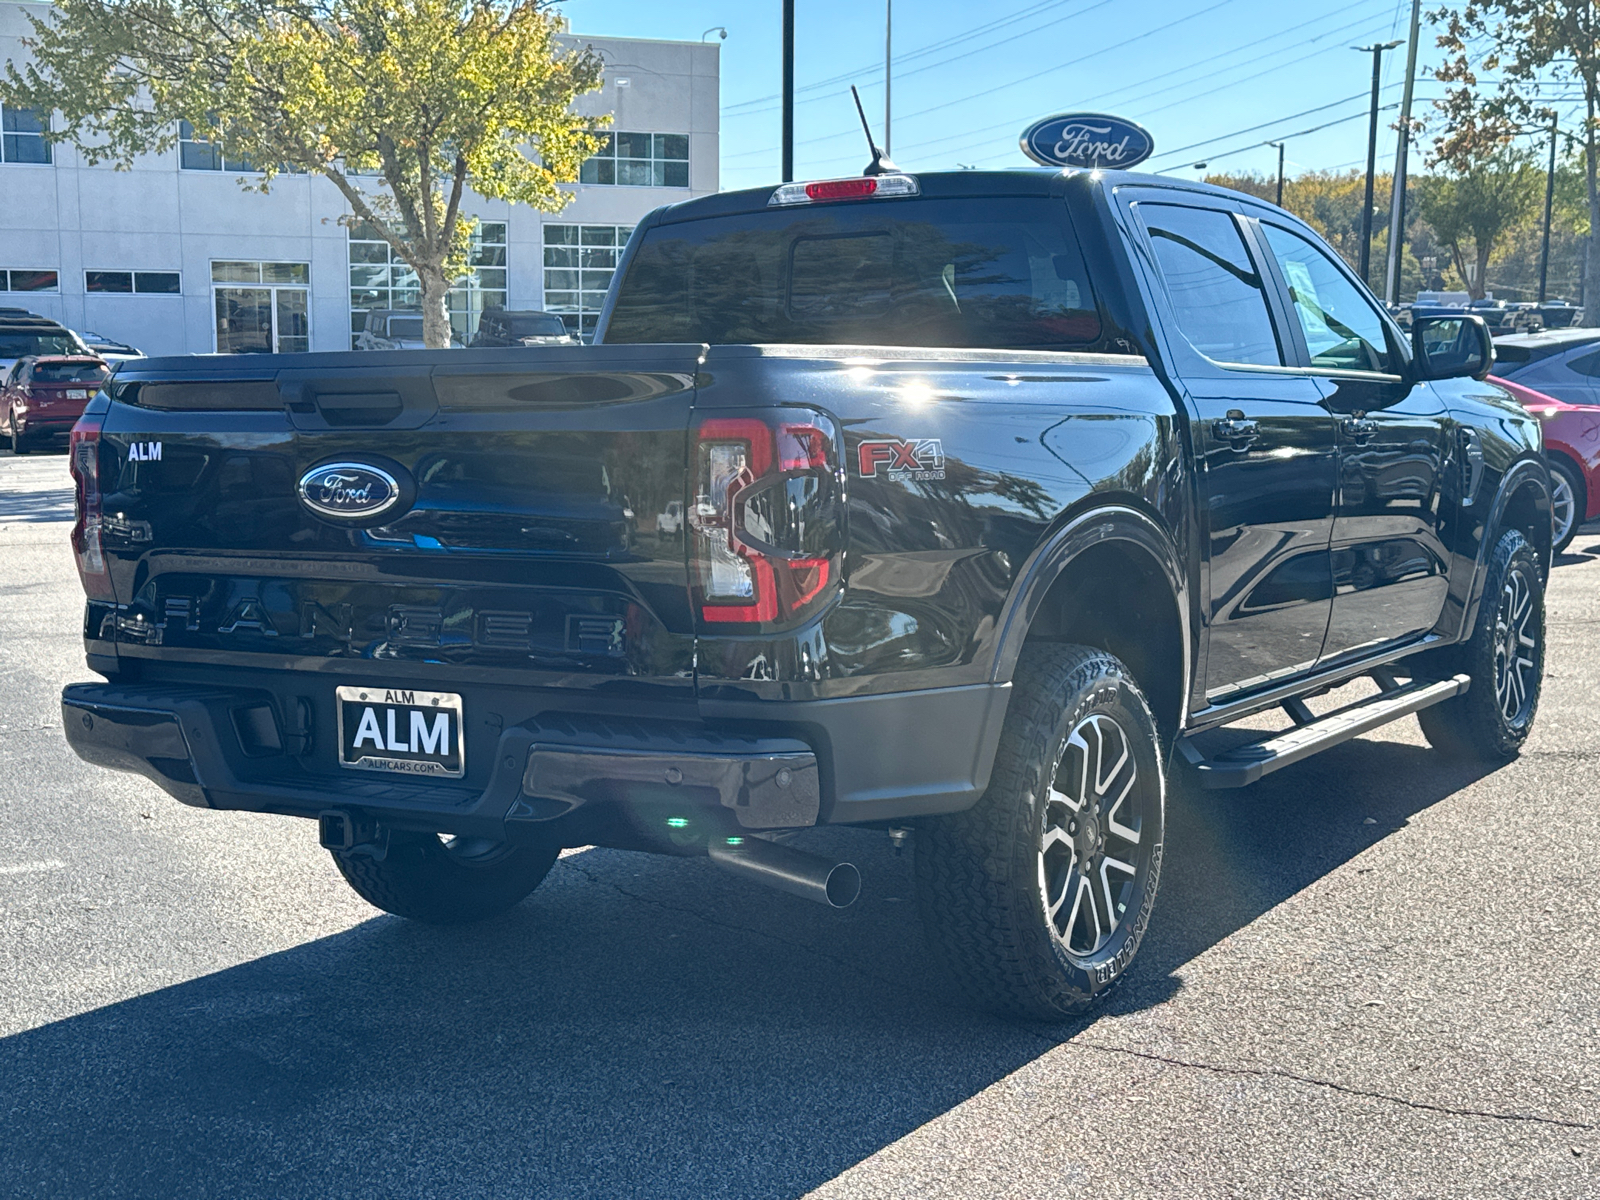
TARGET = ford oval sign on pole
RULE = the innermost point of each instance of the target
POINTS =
(1087, 140)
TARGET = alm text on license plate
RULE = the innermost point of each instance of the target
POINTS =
(406, 730)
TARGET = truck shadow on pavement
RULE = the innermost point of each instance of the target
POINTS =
(639, 1027)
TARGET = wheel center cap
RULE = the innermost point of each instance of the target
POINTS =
(1088, 838)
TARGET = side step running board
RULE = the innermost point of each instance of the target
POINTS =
(1243, 765)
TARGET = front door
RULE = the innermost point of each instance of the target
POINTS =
(1389, 562)
(1265, 451)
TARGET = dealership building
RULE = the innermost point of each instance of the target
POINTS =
(174, 257)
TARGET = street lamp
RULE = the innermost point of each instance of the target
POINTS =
(1372, 152)
(1279, 146)
(719, 30)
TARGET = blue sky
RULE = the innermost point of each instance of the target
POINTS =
(1210, 79)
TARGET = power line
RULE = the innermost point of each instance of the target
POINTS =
(967, 137)
(1012, 83)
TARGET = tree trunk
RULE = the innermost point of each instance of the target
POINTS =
(435, 317)
(1478, 289)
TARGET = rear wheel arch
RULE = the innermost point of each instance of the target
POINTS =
(1112, 579)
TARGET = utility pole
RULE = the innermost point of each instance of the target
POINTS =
(1549, 198)
(788, 91)
(1372, 156)
(1279, 145)
(888, 58)
(1397, 203)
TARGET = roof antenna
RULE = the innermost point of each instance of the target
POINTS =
(881, 164)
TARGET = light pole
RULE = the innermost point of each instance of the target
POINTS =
(1279, 145)
(788, 91)
(888, 55)
(720, 30)
(1372, 155)
(1549, 197)
(1397, 202)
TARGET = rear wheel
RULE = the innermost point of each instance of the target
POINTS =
(446, 880)
(1505, 659)
(1568, 501)
(1037, 898)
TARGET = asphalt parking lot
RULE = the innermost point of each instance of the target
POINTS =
(1373, 974)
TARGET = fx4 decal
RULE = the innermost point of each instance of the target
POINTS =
(901, 459)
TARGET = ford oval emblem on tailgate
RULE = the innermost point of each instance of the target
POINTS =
(350, 491)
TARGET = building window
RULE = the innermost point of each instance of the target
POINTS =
(579, 261)
(22, 135)
(30, 281)
(381, 279)
(197, 154)
(160, 283)
(262, 307)
(640, 160)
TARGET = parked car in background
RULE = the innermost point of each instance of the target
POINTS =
(394, 329)
(1559, 314)
(1563, 363)
(111, 351)
(41, 398)
(23, 333)
(502, 327)
(1572, 448)
(1504, 318)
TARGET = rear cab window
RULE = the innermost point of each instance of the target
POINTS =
(1000, 273)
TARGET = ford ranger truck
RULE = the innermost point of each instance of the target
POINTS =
(969, 506)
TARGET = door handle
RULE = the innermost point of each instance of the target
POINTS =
(1359, 429)
(1236, 429)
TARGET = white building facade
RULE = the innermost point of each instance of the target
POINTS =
(174, 257)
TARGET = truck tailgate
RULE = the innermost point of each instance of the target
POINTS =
(535, 535)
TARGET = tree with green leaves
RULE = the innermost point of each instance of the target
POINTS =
(401, 104)
(1479, 205)
(1525, 42)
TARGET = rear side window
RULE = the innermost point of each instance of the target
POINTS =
(1587, 365)
(999, 273)
(69, 373)
(1217, 294)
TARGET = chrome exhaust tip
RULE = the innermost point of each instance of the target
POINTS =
(810, 876)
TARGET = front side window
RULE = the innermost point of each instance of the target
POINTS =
(1343, 331)
(22, 135)
(1001, 273)
(1217, 294)
(640, 160)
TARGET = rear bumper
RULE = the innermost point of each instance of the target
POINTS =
(768, 765)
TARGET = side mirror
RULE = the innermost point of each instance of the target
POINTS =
(1453, 347)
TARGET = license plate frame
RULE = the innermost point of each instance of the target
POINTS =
(395, 751)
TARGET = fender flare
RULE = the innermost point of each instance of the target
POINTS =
(1516, 475)
(1110, 523)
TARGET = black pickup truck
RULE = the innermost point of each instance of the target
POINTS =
(965, 506)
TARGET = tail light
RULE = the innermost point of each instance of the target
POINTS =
(88, 525)
(768, 516)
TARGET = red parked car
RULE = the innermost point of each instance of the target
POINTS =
(42, 396)
(1572, 446)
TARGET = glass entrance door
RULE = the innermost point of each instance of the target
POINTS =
(261, 308)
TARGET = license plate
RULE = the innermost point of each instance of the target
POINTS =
(408, 731)
(77, 393)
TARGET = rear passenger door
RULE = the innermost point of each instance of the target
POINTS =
(1389, 560)
(1264, 446)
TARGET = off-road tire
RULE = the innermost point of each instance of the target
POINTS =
(1580, 500)
(1477, 727)
(422, 878)
(984, 876)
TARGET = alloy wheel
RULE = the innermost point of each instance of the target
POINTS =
(1563, 506)
(1516, 648)
(1090, 851)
